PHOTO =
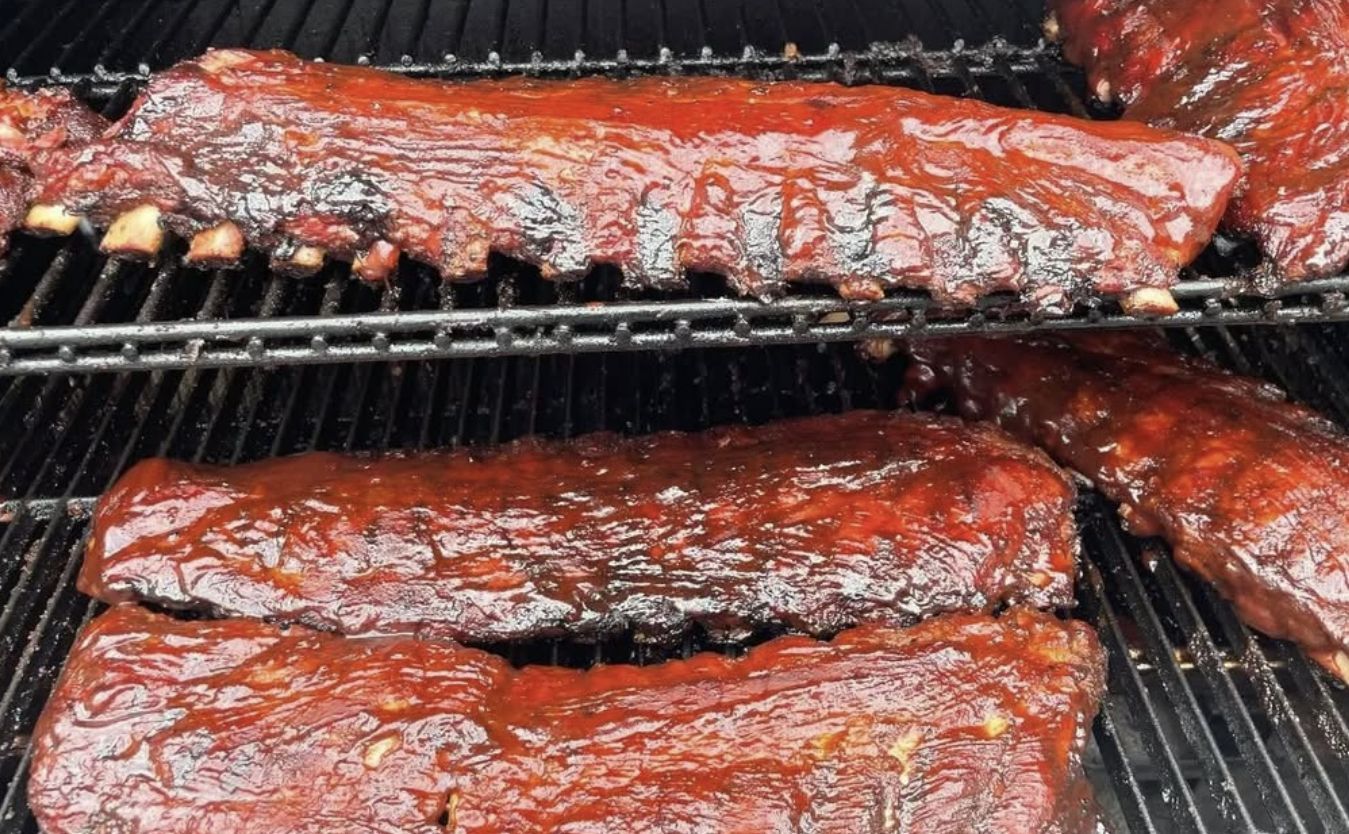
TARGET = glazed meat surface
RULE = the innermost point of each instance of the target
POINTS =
(14, 186)
(962, 723)
(816, 523)
(1251, 491)
(29, 124)
(866, 188)
(1270, 77)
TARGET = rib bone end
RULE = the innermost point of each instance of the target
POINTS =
(216, 60)
(1335, 661)
(135, 233)
(304, 260)
(45, 218)
(1051, 28)
(221, 244)
(376, 263)
(1150, 301)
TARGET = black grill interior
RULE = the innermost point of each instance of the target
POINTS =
(1208, 728)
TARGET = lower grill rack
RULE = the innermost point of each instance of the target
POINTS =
(1208, 727)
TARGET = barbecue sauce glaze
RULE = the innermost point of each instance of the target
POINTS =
(866, 188)
(815, 523)
(29, 124)
(1269, 77)
(962, 723)
(1251, 491)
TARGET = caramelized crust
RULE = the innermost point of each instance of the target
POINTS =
(1270, 77)
(866, 188)
(962, 723)
(29, 124)
(1251, 491)
(817, 523)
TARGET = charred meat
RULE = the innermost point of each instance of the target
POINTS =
(866, 188)
(816, 523)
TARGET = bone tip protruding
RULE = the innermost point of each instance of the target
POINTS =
(1051, 28)
(1150, 301)
(135, 233)
(302, 260)
(376, 263)
(1337, 662)
(220, 244)
(222, 59)
(45, 218)
(309, 257)
(878, 350)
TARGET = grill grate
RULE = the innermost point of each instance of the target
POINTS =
(1208, 726)
(70, 310)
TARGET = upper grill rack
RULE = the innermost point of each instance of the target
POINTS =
(68, 309)
(68, 39)
(1208, 727)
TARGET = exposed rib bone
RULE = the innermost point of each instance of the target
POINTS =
(1150, 301)
(304, 260)
(45, 218)
(376, 263)
(218, 245)
(136, 233)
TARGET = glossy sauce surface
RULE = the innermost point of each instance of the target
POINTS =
(1252, 492)
(1269, 77)
(31, 123)
(865, 188)
(816, 523)
(959, 724)
(14, 188)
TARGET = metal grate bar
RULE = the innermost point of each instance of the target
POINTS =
(1208, 657)
(523, 331)
(1179, 701)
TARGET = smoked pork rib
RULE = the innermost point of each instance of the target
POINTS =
(1251, 491)
(1270, 77)
(817, 523)
(962, 723)
(29, 124)
(866, 188)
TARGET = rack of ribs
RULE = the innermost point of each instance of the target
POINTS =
(1270, 77)
(31, 123)
(816, 523)
(865, 188)
(962, 723)
(1251, 491)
